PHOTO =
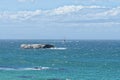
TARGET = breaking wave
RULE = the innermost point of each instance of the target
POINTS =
(31, 68)
(58, 48)
(34, 68)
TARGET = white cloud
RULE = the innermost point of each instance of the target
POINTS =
(114, 12)
(66, 9)
(72, 12)
(20, 15)
(23, 15)
(70, 9)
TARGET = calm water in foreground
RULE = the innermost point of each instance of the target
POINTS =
(71, 60)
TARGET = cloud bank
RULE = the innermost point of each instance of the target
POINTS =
(67, 13)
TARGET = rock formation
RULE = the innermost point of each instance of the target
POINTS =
(36, 46)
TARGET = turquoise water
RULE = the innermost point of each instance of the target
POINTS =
(71, 60)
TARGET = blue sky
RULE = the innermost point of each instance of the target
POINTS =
(59, 19)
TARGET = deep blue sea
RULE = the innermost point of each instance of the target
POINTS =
(70, 60)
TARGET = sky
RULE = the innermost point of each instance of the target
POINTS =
(59, 19)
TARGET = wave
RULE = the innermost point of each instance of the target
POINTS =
(34, 68)
(58, 48)
(31, 68)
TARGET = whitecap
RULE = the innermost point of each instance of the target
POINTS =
(34, 68)
(38, 68)
(58, 48)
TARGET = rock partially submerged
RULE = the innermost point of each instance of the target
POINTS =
(36, 46)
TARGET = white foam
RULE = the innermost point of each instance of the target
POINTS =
(40, 68)
(34, 68)
(7, 69)
(59, 48)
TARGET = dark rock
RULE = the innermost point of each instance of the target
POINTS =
(36, 46)
(48, 46)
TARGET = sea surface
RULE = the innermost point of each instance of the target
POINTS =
(70, 60)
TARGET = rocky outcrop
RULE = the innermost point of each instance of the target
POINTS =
(36, 46)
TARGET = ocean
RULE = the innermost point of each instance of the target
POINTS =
(70, 60)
